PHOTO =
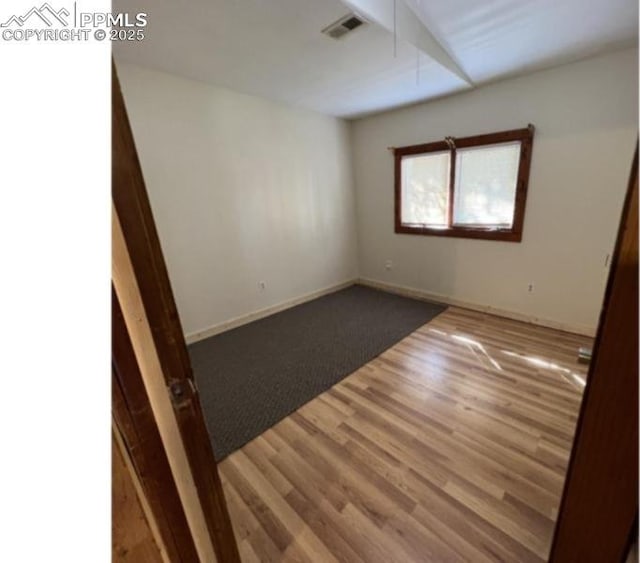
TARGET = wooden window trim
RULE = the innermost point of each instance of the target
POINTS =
(513, 234)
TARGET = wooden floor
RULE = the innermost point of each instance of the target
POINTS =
(132, 540)
(450, 446)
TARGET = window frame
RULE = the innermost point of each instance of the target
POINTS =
(450, 144)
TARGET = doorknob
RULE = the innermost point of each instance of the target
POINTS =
(181, 392)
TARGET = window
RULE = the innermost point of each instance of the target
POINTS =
(473, 187)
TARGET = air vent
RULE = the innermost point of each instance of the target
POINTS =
(343, 26)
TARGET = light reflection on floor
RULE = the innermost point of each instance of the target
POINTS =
(479, 351)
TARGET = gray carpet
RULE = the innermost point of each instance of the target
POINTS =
(251, 377)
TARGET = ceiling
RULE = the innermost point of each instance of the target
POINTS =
(275, 48)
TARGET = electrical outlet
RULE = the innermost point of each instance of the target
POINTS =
(262, 285)
(530, 288)
(388, 265)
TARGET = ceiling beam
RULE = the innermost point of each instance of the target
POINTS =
(409, 28)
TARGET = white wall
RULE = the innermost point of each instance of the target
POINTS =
(243, 190)
(586, 123)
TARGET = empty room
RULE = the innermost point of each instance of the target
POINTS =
(370, 256)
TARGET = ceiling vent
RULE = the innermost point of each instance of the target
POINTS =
(344, 25)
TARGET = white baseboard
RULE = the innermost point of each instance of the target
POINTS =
(260, 314)
(391, 288)
(583, 330)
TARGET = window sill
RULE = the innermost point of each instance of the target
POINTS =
(462, 232)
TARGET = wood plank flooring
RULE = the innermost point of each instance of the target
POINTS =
(450, 446)
(132, 540)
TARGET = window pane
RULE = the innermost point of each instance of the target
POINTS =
(425, 189)
(485, 189)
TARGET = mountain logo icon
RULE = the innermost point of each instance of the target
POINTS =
(44, 14)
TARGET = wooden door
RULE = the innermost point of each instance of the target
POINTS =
(138, 251)
(135, 422)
